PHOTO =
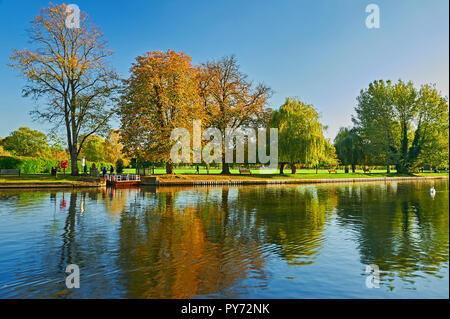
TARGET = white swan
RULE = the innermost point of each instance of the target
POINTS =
(432, 191)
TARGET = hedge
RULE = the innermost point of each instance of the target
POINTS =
(34, 165)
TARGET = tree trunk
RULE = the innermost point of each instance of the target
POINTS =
(225, 167)
(169, 167)
(293, 168)
(282, 168)
(74, 162)
(317, 169)
(353, 168)
(388, 169)
(402, 169)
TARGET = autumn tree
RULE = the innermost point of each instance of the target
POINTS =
(113, 147)
(67, 68)
(300, 134)
(230, 100)
(159, 96)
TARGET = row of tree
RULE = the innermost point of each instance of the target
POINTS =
(166, 91)
(397, 124)
(69, 69)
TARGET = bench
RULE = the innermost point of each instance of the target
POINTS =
(244, 170)
(9, 171)
(331, 170)
(366, 170)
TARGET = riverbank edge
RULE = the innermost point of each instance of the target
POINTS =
(152, 181)
(156, 182)
(51, 185)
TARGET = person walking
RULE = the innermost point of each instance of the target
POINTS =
(104, 171)
(111, 170)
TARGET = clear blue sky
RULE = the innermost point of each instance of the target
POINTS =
(320, 51)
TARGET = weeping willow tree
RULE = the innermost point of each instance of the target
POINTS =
(349, 148)
(300, 134)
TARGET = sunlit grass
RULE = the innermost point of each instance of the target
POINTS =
(41, 178)
(214, 174)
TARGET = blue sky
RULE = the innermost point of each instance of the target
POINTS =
(319, 51)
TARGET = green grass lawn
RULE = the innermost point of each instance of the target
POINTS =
(45, 178)
(203, 171)
(184, 173)
(190, 174)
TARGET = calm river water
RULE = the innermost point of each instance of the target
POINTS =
(296, 241)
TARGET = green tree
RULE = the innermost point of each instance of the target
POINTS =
(300, 134)
(349, 147)
(3, 152)
(328, 157)
(94, 149)
(26, 142)
(119, 166)
(402, 125)
(375, 124)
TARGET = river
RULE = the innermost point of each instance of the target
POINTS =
(280, 241)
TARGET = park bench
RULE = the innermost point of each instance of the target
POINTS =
(332, 170)
(9, 171)
(244, 170)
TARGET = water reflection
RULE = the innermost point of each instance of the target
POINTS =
(399, 227)
(226, 242)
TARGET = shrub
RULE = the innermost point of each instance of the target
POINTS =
(36, 165)
(27, 165)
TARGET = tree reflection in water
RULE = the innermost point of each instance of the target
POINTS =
(186, 242)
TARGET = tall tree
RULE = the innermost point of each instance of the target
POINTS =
(349, 147)
(300, 134)
(401, 124)
(68, 68)
(160, 95)
(230, 100)
(375, 124)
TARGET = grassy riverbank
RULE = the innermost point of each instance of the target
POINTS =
(42, 180)
(291, 176)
